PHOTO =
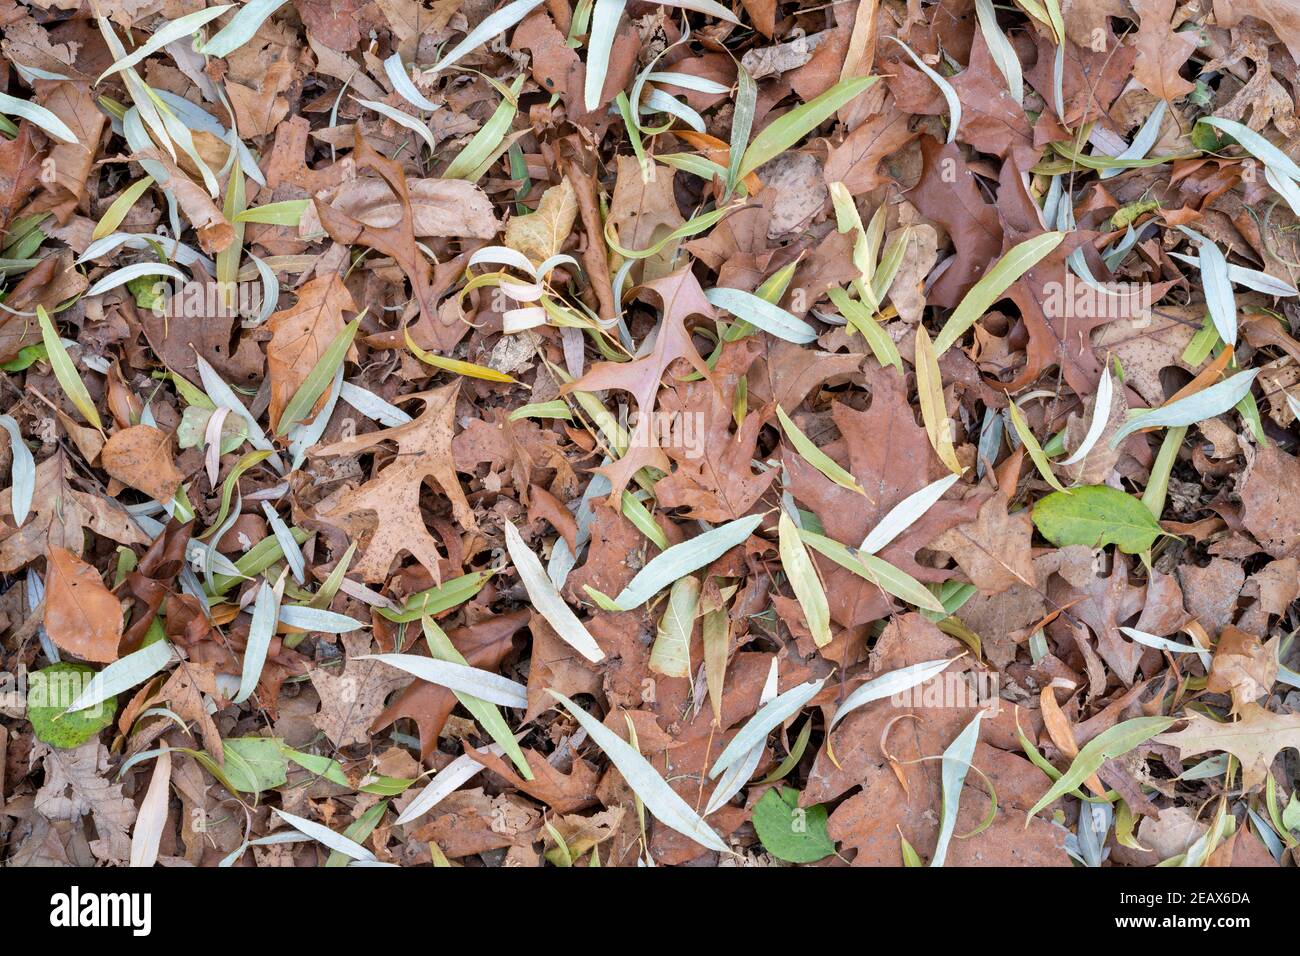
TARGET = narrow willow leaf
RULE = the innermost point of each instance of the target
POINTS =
(446, 782)
(766, 316)
(1000, 49)
(547, 600)
(640, 515)
(716, 631)
(1100, 415)
(671, 653)
(1018, 260)
(802, 573)
(292, 553)
(401, 80)
(1157, 489)
(888, 684)
(881, 573)
(266, 611)
(468, 369)
(949, 94)
(489, 27)
(742, 124)
(787, 130)
(1207, 403)
(1035, 450)
(709, 7)
(484, 711)
(1165, 644)
(685, 558)
(956, 762)
(904, 514)
(319, 619)
(435, 600)
(1256, 145)
(485, 142)
(241, 27)
(692, 227)
(600, 43)
(318, 379)
(65, 371)
(286, 213)
(37, 115)
(125, 274)
(115, 213)
(815, 456)
(372, 406)
(929, 389)
(1115, 742)
(125, 673)
(1218, 288)
(1288, 189)
(322, 834)
(863, 320)
(659, 798)
(1146, 138)
(1250, 278)
(557, 408)
(22, 473)
(406, 120)
(457, 677)
(771, 715)
(738, 774)
(177, 29)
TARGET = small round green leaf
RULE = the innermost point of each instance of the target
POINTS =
(50, 690)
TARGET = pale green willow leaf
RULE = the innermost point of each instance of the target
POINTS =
(482, 684)
(266, 611)
(671, 653)
(1165, 644)
(38, 115)
(956, 762)
(402, 119)
(1000, 49)
(22, 473)
(1205, 404)
(810, 453)
(322, 834)
(771, 715)
(547, 600)
(1100, 415)
(319, 619)
(807, 587)
(685, 558)
(659, 798)
(401, 81)
(124, 673)
(1018, 260)
(1256, 145)
(904, 514)
(1115, 742)
(489, 27)
(784, 132)
(65, 370)
(766, 316)
(241, 27)
(600, 43)
(176, 29)
(876, 570)
(949, 94)
(888, 684)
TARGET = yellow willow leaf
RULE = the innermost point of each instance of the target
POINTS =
(1035, 450)
(807, 586)
(929, 388)
(65, 371)
(468, 369)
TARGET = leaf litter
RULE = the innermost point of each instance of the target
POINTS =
(854, 434)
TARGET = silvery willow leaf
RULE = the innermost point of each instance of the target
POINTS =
(769, 716)
(124, 673)
(1207, 403)
(266, 611)
(956, 762)
(738, 774)
(461, 677)
(322, 834)
(904, 514)
(23, 472)
(547, 600)
(682, 559)
(445, 782)
(659, 798)
(1100, 415)
(888, 684)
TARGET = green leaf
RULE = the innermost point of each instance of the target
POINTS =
(790, 832)
(810, 453)
(1095, 516)
(50, 690)
(318, 379)
(996, 281)
(254, 764)
(1114, 742)
(780, 135)
(65, 371)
